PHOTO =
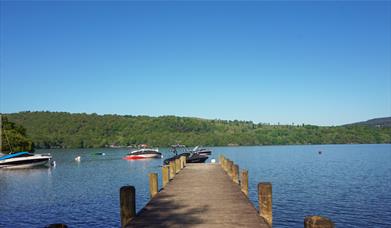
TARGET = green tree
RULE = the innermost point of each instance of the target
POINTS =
(13, 137)
(66, 130)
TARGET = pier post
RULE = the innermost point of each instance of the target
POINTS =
(165, 175)
(172, 169)
(182, 162)
(127, 198)
(265, 201)
(244, 182)
(57, 225)
(235, 173)
(153, 184)
(230, 164)
(318, 222)
(177, 165)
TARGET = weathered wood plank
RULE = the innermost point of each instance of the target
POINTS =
(201, 195)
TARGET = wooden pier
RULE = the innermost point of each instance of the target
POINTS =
(201, 195)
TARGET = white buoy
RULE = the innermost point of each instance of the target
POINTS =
(213, 161)
(53, 163)
(77, 158)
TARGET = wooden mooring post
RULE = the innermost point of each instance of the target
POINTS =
(235, 174)
(244, 182)
(177, 165)
(172, 169)
(127, 198)
(165, 175)
(183, 160)
(57, 225)
(153, 184)
(265, 201)
(230, 168)
(318, 222)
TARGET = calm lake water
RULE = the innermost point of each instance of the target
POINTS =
(351, 184)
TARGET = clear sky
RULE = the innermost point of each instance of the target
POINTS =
(323, 62)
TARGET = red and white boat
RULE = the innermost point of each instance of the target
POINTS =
(143, 154)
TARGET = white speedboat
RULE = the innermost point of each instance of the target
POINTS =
(143, 154)
(21, 160)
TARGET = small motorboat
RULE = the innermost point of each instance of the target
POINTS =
(21, 160)
(191, 156)
(143, 154)
(201, 151)
(196, 158)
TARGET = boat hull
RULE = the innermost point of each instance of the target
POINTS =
(144, 156)
(200, 159)
(190, 158)
(25, 164)
(208, 152)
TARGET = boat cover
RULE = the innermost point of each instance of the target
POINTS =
(13, 155)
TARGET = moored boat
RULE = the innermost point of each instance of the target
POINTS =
(143, 154)
(201, 151)
(196, 158)
(21, 160)
(191, 156)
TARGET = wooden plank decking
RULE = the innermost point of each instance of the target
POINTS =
(201, 195)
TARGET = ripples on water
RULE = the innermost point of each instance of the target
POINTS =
(348, 183)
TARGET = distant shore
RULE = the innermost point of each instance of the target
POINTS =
(66, 130)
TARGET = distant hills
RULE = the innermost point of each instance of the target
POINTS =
(66, 130)
(378, 122)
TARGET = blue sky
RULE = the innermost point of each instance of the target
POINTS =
(324, 63)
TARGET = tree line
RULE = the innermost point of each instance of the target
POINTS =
(14, 137)
(66, 130)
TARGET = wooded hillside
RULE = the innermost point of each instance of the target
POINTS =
(66, 130)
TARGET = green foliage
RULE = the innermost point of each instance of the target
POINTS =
(13, 137)
(65, 130)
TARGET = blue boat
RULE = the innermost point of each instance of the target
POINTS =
(24, 159)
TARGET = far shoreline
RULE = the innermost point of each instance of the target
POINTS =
(239, 146)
